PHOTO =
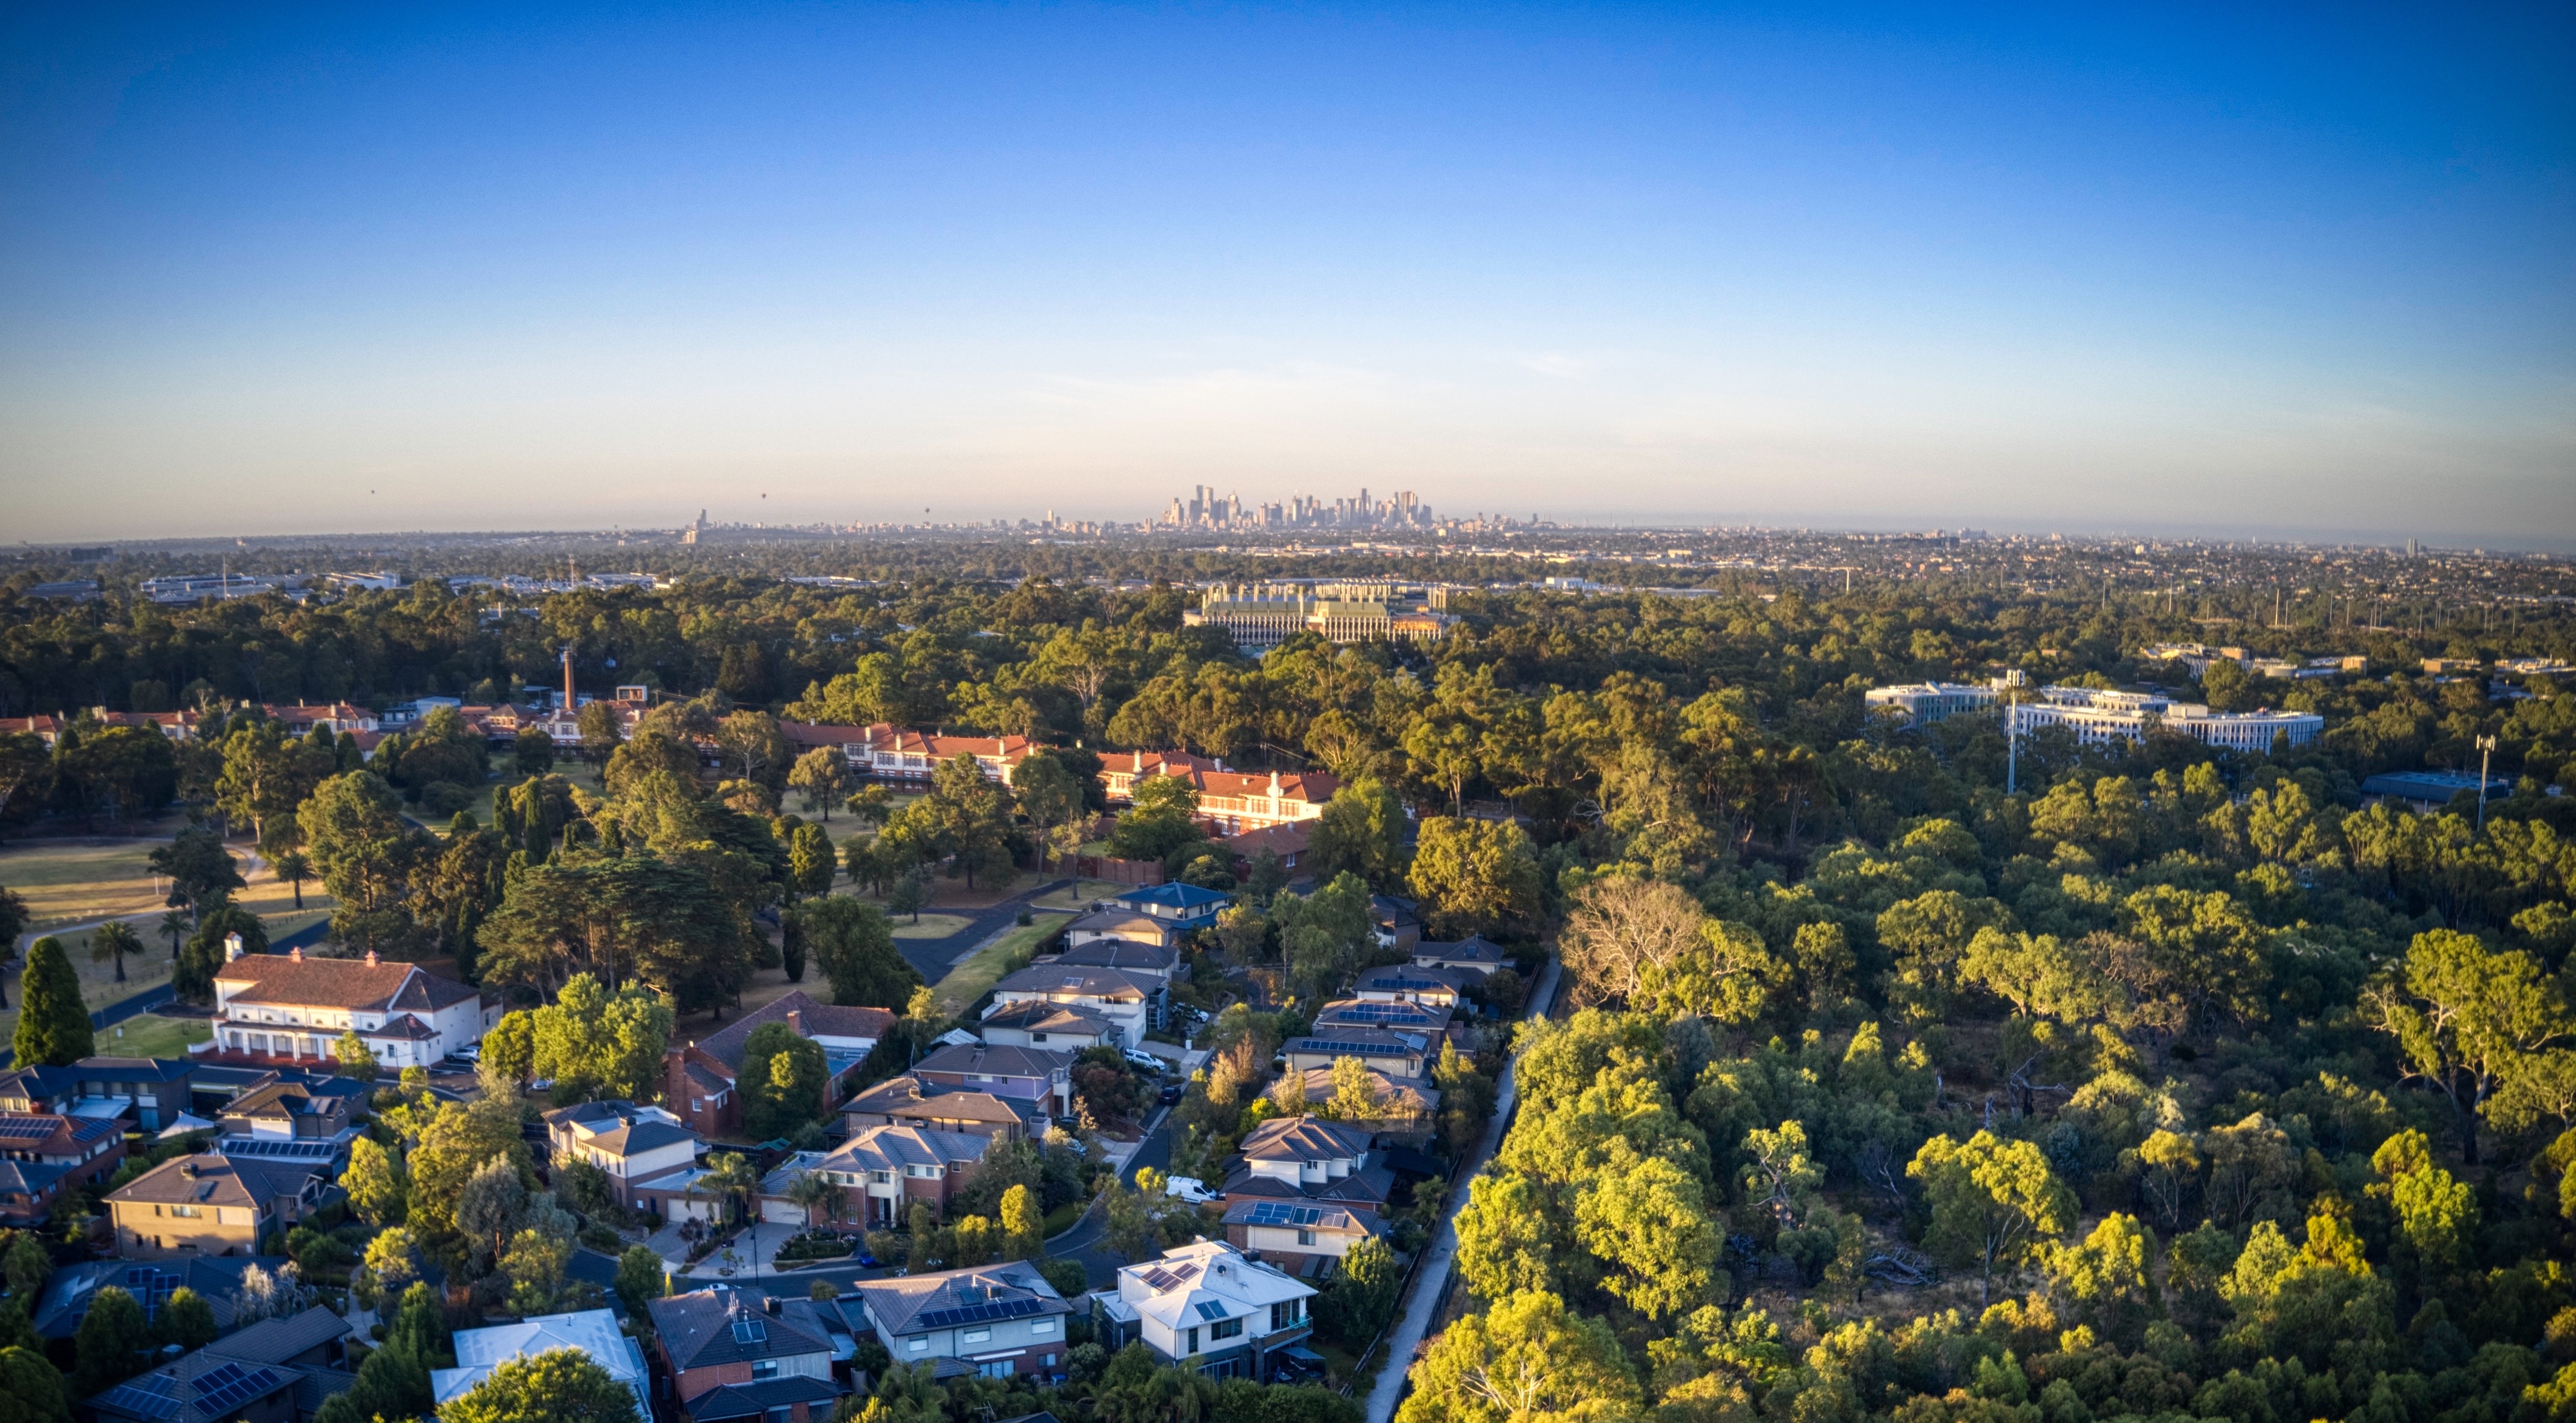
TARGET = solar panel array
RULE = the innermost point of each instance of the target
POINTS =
(26, 1128)
(1280, 1213)
(1165, 1277)
(981, 1313)
(226, 1387)
(1381, 1013)
(1343, 1048)
(150, 1396)
(279, 1150)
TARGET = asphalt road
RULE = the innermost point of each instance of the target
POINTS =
(934, 957)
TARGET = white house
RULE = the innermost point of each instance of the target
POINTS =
(591, 1333)
(290, 1006)
(1206, 1306)
(1127, 1000)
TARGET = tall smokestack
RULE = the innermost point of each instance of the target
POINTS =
(567, 666)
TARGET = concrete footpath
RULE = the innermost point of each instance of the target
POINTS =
(1431, 1282)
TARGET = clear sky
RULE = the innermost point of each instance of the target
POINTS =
(2235, 269)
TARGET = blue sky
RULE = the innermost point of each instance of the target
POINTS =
(2304, 271)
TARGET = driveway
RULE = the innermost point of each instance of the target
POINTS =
(934, 957)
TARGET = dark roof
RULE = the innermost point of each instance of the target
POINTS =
(635, 1137)
(287, 1099)
(819, 1018)
(1175, 895)
(1039, 1015)
(912, 1304)
(65, 1302)
(29, 1178)
(1088, 982)
(195, 1388)
(724, 1326)
(1475, 948)
(189, 1180)
(1307, 1138)
(278, 1341)
(38, 1084)
(753, 1400)
(932, 1101)
(997, 1059)
(128, 1069)
(1303, 1217)
(1119, 953)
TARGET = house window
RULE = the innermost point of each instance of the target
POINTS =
(764, 1369)
(976, 1336)
(1194, 1341)
(997, 1369)
(1226, 1329)
(1042, 1326)
(918, 1346)
(186, 1212)
(1284, 1316)
(697, 1104)
(1305, 1237)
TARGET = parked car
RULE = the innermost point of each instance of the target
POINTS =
(1145, 1060)
(1171, 1093)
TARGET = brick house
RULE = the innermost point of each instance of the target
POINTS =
(42, 1155)
(728, 1355)
(210, 1205)
(699, 1083)
(884, 1170)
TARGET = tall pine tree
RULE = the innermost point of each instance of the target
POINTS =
(53, 1023)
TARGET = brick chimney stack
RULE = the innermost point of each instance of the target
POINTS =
(371, 958)
(295, 955)
(796, 1021)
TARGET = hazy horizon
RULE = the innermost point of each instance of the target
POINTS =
(2194, 271)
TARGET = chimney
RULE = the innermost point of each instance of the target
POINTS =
(1274, 785)
(796, 1021)
(295, 955)
(189, 1171)
(232, 947)
(1140, 763)
(769, 1304)
(371, 958)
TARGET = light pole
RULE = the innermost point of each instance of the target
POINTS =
(2486, 751)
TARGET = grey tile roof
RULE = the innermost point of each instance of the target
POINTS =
(995, 1059)
(278, 1341)
(889, 1148)
(902, 1304)
(1305, 1139)
(1109, 983)
(754, 1400)
(698, 1330)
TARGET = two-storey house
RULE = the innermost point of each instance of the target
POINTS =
(151, 1092)
(1308, 1156)
(591, 1333)
(999, 1320)
(290, 1006)
(290, 1111)
(630, 1144)
(210, 1205)
(898, 754)
(727, 1355)
(1232, 801)
(1443, 988)
(1299, 1237)
(1134, 1002)
(1039, 1076)
(1053, 1026)
(42, 1154)
(883, 1171)
(1473, 954)
(909, 1101)
(1206, 1306)
(1402, 1055)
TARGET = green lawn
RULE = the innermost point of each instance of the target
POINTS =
(148, 1036)
(1079, 894)
(932, 926)
(68, 883)
(970, 979)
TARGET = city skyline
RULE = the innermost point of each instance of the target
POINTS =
(1866, 267)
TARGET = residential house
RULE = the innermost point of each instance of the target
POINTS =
(1131, 955)
(152, 1092)
(1183, 906)
(1232, 802)
(727, 1355)
(631, 1144)
(1306, 1152)
(217, 1280)
(290, 1111)
(1301, 1239)
(999, 1320)
(1123, 926)
(204, 1387)
(1405, 1055)
(288, 1005)
(909, 1101)
(1053, 1026)
(1206, 1306)
(1042, 1077)
(1409, 1105)
(310, 1338)
(591, 1333)
(1474, 954)
(1443, 988)
(1410, 1016)
(699, 1078)
(884, 1170)
(1399, 927)
(1135, 1002)
(42, 1154)
(210, 1205)
(1288, 842)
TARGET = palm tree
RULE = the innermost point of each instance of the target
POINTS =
(293, 868)
(174, 927)
(114, 940)
(812, 1189)
(734, 1181)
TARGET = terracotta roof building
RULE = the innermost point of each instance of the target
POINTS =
(295, 1007)
(699, 1078)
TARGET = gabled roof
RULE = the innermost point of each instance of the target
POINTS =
(1306, 1138)
(29, 1178)
(820, 1020)
(933, 1102)
(636, 1138)
(995, 1059)
(131, 1069)
(897, 1145)
(287, 1100)
(1113, 984)
(915, 1303)
(724, 1326)
(278, 1341)
(1039, 1015)
(1120, 953)
(1121, 923)
(1393, 1017)
(202, 1387)
(1358, 1042)
(198, 1180)
(293, 980)
(1203, 1281)
(1414, 978)
(1346, 1220)
(1475, 949)
(756, 1399)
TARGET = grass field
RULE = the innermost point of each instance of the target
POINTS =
(147, 1036)
(932, 926)
(71, 882)
(1079, 894)
(972, 976)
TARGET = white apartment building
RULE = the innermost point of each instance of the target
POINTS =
(290, 1006)
(2097, 717)
(1922, 703)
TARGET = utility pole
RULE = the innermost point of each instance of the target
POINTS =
(2486, 750)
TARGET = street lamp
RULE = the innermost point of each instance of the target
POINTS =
(2486, 750)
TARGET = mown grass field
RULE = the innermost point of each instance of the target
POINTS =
(930, 926)
(979, 971)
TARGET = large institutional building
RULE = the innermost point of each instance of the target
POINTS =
(1260, 616)
(2097, 716)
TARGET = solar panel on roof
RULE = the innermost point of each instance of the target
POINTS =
(280, 1150)
(141, 1401)
(1281, 1213)
(226, 1387)
(26, 1128)
(981, 1313)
